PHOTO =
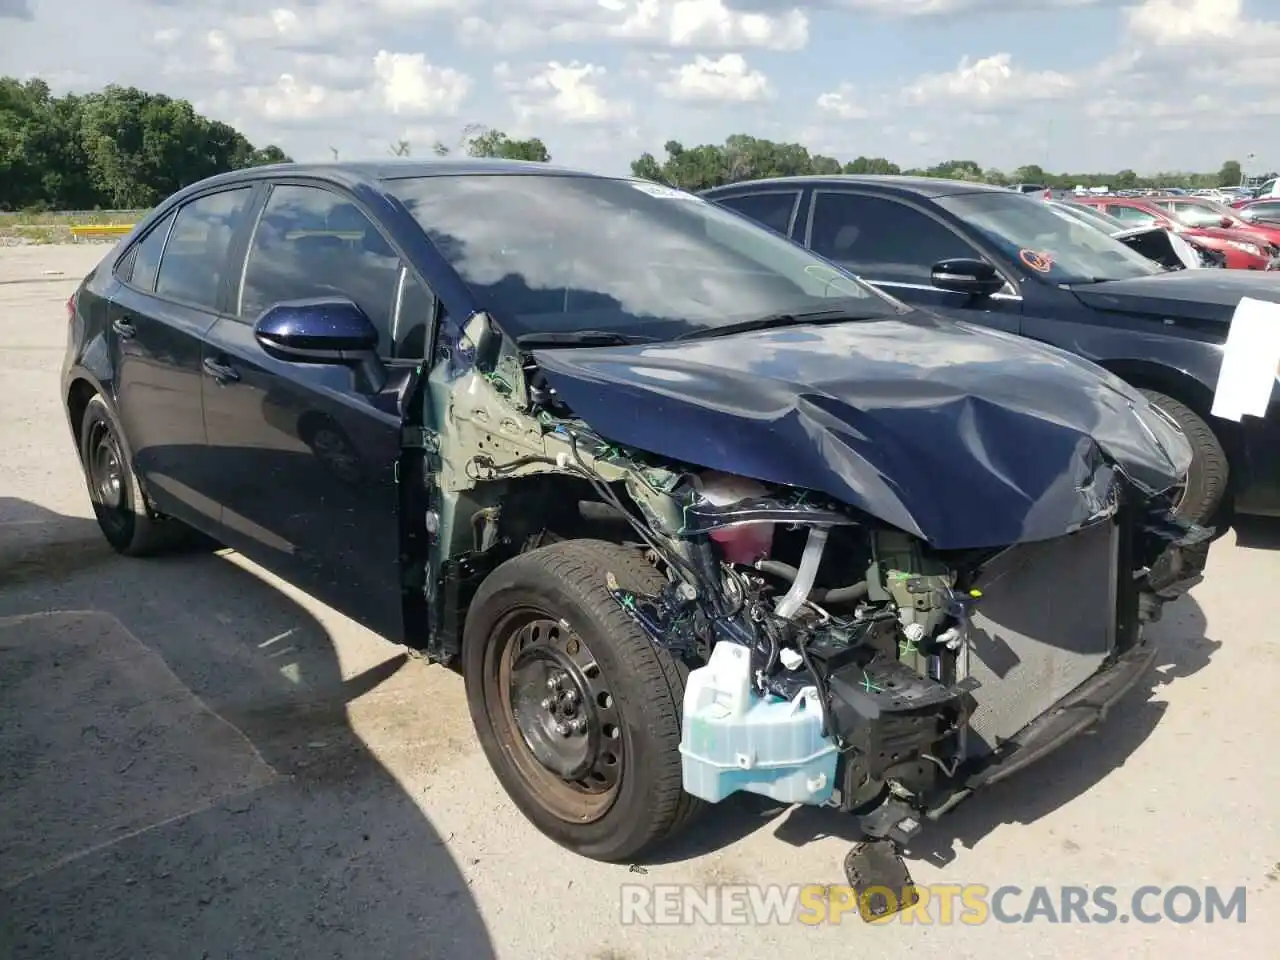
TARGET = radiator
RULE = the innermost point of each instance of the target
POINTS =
(1046, 622)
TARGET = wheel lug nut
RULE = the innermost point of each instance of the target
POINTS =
(562, 729)
(547, 703)
(579, 725)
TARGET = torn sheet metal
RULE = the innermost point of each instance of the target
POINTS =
(961, 436)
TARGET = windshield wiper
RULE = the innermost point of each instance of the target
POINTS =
(580, 338)
(772, 320)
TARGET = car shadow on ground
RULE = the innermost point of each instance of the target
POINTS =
(319, 853)
(1023, 798)
(1258, 533)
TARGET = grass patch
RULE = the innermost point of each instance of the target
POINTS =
(67, 218)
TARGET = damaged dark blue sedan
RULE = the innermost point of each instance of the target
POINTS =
(694, 511)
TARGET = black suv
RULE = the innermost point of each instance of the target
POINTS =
(992, 257)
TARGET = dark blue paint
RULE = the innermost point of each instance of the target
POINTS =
(962, 436)
(1164, 332)
(303, 461)
(301, 326)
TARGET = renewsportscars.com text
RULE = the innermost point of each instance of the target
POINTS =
(934, 904)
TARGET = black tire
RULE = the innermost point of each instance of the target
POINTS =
(565, 583)
(1210, 473)
(125, 518)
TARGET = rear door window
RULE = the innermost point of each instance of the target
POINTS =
(775, 209)
(194, 269)
(881, 239)
(312, 242)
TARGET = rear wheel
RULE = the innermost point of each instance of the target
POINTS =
(577, 709)
(1206, 486)
(123, 515)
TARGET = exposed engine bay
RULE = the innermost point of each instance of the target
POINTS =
(835, 659)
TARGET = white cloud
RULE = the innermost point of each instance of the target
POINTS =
(399, 83)
(730, 79)
(409, 84)
(843, 103)
(1172, 22)
(561, 93)
(709, 24)
(989, 82)
(305, 24)
(222, 52)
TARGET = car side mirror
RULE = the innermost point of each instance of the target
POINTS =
(322, 330)
(971, 276)
(1225, 222)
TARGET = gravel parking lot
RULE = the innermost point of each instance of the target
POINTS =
(199, 761)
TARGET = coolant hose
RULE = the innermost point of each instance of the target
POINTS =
(808, 572)
(833, 595)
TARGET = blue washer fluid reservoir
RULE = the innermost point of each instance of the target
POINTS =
(733, 739)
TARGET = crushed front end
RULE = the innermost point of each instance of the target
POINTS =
(847, 664)
(834, 657)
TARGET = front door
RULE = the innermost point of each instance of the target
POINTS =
(306, 455)
(170, 287)
(894, 246)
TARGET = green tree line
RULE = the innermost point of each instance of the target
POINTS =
(742, 157)
(120, 148)
(126, 149)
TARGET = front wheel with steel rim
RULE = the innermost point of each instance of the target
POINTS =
(126, 521)
(577, 710)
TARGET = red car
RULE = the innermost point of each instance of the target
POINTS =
(1243, 249)
(1203, 212)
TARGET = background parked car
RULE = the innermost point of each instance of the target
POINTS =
(994, 258)
(1266, 210)
(1205, 212)
(1243, 250)
(1169, 249)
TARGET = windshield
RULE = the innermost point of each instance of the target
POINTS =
(1200, 213)
(1091, 216)
(1036, 239)
(551, 254)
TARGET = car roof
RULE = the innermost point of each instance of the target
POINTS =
(373, 172)
(929, 187)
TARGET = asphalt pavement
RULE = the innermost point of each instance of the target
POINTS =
(199, 761)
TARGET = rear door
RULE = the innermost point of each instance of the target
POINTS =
(305, 456)
(894, 245)
(173, 285)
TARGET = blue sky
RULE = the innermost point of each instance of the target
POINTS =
(1078, 85)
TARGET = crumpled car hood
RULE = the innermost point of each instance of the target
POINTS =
(962, 436)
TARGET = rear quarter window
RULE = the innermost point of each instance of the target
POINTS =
(141, 264)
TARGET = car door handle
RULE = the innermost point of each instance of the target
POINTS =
(124, 328)
(221, 372)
